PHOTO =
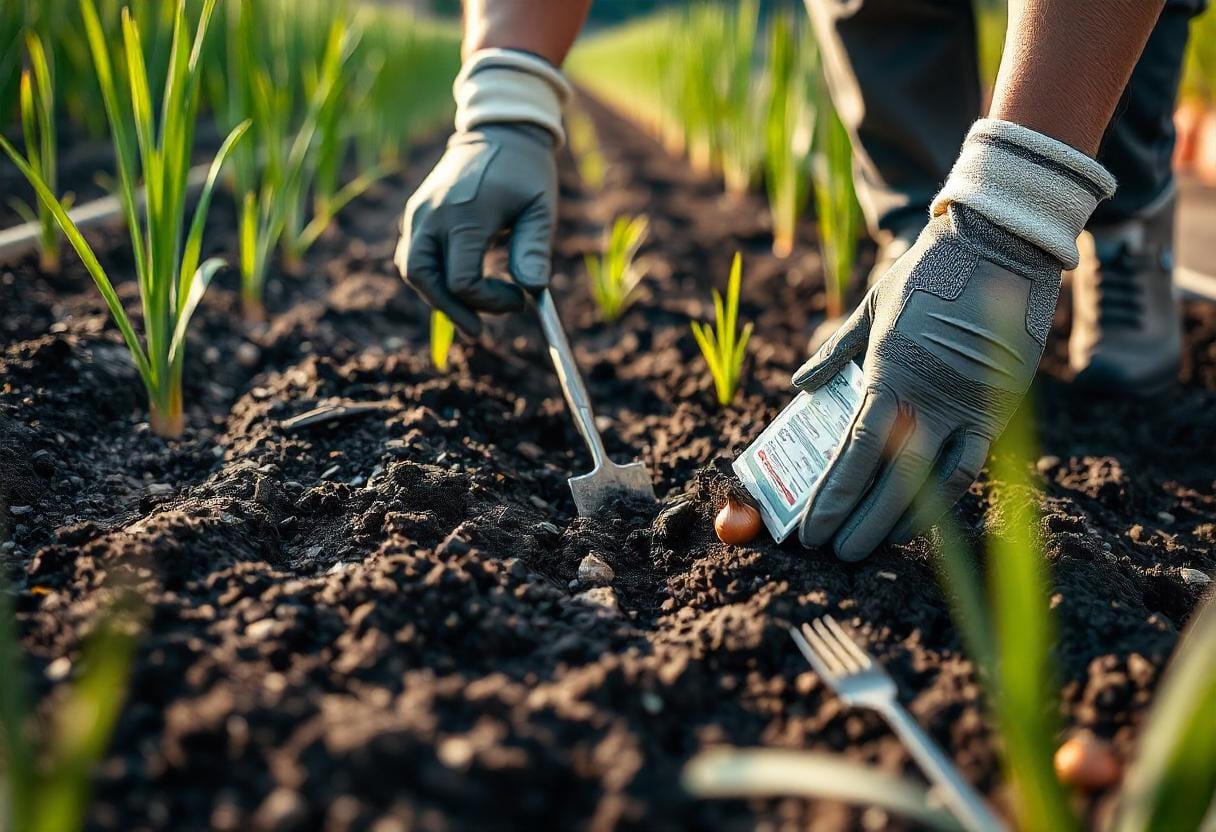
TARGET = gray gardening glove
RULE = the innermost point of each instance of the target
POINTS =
(499, 172)
(952, 336)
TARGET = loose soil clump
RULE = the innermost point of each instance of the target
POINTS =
(378, 623)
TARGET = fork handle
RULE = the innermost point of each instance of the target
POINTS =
(964, 801)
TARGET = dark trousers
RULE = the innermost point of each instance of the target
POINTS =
(904, 76)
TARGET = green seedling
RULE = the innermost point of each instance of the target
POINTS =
(836, 206)
(1172, 782)
(37, 97)
(443, 331)
(273, 183)
(615, 274)
(45, 766)
(723, 345)
(738, 139)
(585, 148)
(170, 277)
(788, 132)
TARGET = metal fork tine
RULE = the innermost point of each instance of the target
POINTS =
(829, 638)
(849, 643)
(811, 656)
(858, 679)
(825, 651)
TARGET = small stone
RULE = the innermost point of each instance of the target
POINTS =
(283, 810)
(1141, 670)
(594, 570)
(529, 450)
(538, 502)
(336, 568)
(1166, 517)
(159, 489)
(1193, 577)
(455, 752)
(601, 597)
(887, 576)
(18, 511)
(652, 703)
(59, 669)
(545, 527)
(261, 629)
(329, 472)
(1047, 463)
(247, 354)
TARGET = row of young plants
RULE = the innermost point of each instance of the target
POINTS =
(315, 103)
(745, 99)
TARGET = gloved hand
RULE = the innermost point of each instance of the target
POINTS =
(952, 336)
(498, 172)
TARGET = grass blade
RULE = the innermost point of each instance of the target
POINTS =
(443, 331)
(770, 772)
(1172, 783)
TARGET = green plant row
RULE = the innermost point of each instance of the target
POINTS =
(744, 101)
(317, 101)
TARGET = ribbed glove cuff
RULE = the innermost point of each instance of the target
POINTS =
(1033, 186)
(507, 85)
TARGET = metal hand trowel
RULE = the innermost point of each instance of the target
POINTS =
(607, 479)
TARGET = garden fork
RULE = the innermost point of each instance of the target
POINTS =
(862, 683)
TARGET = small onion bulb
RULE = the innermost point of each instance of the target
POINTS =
(737, 522)
(1088, 763)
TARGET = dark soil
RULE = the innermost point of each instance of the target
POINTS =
(373, 624)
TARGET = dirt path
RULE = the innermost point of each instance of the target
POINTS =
(375, 620)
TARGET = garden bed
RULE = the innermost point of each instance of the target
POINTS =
(377, 618)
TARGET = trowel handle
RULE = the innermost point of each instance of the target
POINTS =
(568, 376)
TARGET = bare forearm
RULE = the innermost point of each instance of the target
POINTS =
(543, 27)
(1066, 63)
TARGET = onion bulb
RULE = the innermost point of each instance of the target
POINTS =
(737, 522)
(1087, 763)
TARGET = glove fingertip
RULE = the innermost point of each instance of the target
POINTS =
(814, 373)
(849, 553)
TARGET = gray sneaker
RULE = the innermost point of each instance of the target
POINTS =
(892, 247)
(1126, 326)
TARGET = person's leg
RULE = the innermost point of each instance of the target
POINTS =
(1126, 329)
(903, 76)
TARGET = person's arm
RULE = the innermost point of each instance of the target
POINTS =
(953, 333)
(541, 27)
(499, 170)
(1066, 63)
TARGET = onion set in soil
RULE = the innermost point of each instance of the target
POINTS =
(737, 522)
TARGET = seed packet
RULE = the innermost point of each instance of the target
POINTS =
(781, 468)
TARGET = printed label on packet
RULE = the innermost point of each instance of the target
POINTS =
(781, 468)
